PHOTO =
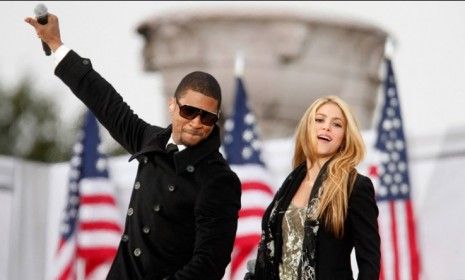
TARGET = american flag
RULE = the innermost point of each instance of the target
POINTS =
(243, 151)
(399, 252)
(90, 230)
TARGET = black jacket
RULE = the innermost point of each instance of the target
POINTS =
(332, 254)
(182, 216)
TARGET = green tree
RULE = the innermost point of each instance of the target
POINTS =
(30, 127)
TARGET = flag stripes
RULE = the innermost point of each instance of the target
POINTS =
(91, 226)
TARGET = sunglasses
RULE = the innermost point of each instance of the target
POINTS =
(190, 113)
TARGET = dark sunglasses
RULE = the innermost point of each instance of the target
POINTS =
(190, 112)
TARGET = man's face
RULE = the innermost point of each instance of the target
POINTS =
(191, 132)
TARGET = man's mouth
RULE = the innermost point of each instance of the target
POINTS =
(193, 132)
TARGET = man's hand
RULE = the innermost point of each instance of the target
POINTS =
(49, 33)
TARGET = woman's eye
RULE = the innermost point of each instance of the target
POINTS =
(319, 120)
(337, 125)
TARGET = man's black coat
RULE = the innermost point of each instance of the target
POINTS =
(182, 216)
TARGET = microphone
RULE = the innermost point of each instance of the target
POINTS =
(250, 275)
(41, 14)
(251, 266)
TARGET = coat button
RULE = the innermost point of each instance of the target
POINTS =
(145, 159)
(146, 230)
(125, 238)
(190, 168)
(137, 252)
(130, 211)
(156, 207)
(137, 185)
(85, 62)
(171, 188)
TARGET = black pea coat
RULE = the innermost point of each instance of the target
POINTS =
(182, 216)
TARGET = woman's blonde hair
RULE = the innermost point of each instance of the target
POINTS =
(341, 171)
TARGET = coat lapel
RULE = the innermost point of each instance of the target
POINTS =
(189, 157)
(156, 145)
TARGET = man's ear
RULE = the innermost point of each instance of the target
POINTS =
(171, 104)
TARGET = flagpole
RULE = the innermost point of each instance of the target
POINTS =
(239, 64)
(389, 50)
(389, 47)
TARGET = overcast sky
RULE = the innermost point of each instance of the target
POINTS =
(428, 59)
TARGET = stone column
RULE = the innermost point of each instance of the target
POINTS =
(290, 60)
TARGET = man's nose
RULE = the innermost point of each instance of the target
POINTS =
(196, 122)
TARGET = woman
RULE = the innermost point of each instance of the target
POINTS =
(324, 208)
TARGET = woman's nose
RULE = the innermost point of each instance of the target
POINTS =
(326, 126)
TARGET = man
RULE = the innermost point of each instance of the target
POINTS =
(182, 216)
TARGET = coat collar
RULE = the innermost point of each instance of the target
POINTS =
(187, 158)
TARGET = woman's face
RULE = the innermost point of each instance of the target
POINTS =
(330, 126)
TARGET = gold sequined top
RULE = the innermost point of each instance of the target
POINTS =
(293, 237)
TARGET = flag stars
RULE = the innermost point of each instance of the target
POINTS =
(394, 189)
(64, 228)
(387, 179)
(397, 178)
(229, 125)
(241, 134)
(399, 145)
(73, 213)
(74, 200)
(395, 156)
(389, 145)
(74, 174)
(76, 161)
(404, 189)
(391, 92)
(401, 166)
(391, 79)
(396, 123)
(387, 124)
(382, 191)
(228, 139)
(390, 112)
(394, 102)
(100, 148)
(384, 158)
(256, 145)
(249, 119)
(73, 186)
(393, 170)
(247, 153)
(391, 167)
(101, 164)
(247, 135)
(77, 149)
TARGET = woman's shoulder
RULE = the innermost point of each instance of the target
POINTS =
(362, 184)
(362, 179)
(363, 194)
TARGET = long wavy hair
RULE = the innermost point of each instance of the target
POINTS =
(341, 172)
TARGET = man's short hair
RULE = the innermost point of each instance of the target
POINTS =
(201, 82)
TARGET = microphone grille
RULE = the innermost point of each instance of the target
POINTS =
(40, 10)
(251, 266)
